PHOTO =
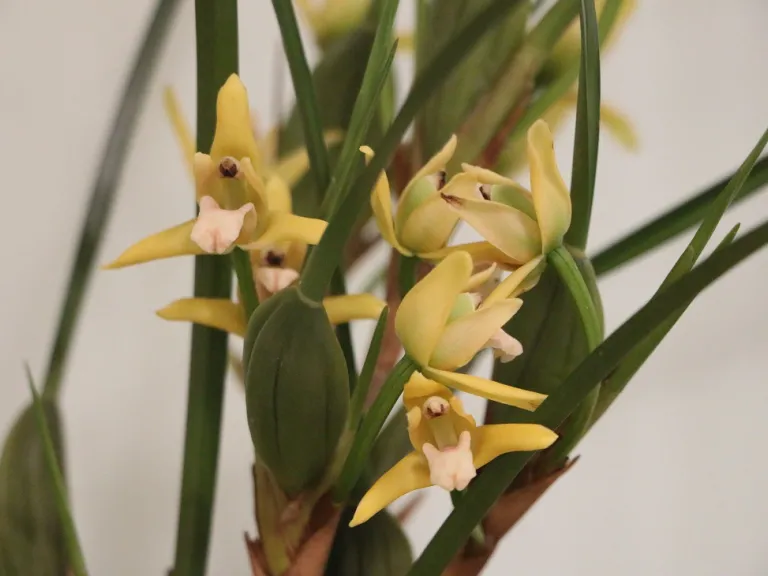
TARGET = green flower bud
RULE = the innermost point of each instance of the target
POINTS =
(31, 535)
(297, 389)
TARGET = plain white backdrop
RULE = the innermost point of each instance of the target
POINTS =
(671, 482)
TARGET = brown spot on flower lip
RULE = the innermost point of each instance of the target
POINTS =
(455, 200)
(228, 167)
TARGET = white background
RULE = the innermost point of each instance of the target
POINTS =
(670, 483)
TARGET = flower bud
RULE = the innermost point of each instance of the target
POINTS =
(297, 389)
(31, 535)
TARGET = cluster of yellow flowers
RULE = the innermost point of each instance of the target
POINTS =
(442, 322)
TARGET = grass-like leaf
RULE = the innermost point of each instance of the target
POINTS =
(305, 93)
(325, 257)
(674, 221)
(587, 128)
(104, 191)
(498, 475)
(366, 375)
(74, 551)
(216, 31)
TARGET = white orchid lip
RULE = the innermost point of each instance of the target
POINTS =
(274, 279)
(505, 347)
(451, 468)
(216, 229)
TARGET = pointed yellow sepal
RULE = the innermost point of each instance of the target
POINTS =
(493, 440)
(489, 389)
(234, 133)
(166, 244)
(343, 309)
(521, 280)
(219, 313)
(180, 127)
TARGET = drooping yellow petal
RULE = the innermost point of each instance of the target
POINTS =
(180, 128)
(480, 278)
(489, 389)
(522, 279)
(234, 133)
(425, 309)
(348, 307)
(286, 227)
(550, 194)
(463, 338)
(219, 313)
(293, 165)
(619, 126)
(381, 204)
(418, 389)
(481, 252)
(411, 473)
(169, 243)
(278, 195)
(510, 230)
(493, 440)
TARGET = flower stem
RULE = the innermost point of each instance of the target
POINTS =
(241, 262)
(407, 273)
(370, 427)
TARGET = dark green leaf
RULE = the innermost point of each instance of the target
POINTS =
(674, 222)
(391, 446)
(366, 375)
(216, 31)
(306, 99)
(104, 189)
(587, 128)
(76, 562)
(325, 257)
(498, 475)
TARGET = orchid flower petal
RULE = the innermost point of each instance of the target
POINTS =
(505, 347)
(381, 204)
(286, 227)
(180, 128)
(234, 134)
(501, 393)
(169, 243)
(348, 307)
(522, 279)
(493, 440)
(219, 313)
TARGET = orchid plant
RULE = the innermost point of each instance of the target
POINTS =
(288, 213)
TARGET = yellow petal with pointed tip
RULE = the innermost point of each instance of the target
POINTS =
(348, 307)
(493, 440)
(550, 194)
(504, 190)
(437, 163)
(166, 244)
(418, 389)
(180, 128)
(481, 252)
(381, 204)
(424, 311)
(219, 313)
(411, 473)
(463, 338)
(485, 176)
(510, 230)
(278, 195)
(489, 389)
(286, 227)
(477, 280)
(522, 279)
(234, 132)
(207, 182)
(619, 126)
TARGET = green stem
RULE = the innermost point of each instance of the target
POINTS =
(216, 29)
(370, 427)
(674, 222)
(569, 273)
(406, 275)
(241, 263)
(104, 191)
(360, 393)
(343, 332)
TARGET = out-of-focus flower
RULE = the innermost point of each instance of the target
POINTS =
(422, 223)
(330, 19)
(441, 330)
(448, 446)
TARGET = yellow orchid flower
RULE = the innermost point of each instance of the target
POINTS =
(448, 446)
(233, 197)
(441, 330)
(422, 223)
(330, 19)
(520, 227)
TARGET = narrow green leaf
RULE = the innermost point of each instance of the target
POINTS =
(555, 90)
(216, 31)
(74, 552)
(366, 375)
(241, 263)
(376, 75)
(343, 331)
(325, 257)
(674, 222)
(498, 475)
(305, 93)
(104, 190)
(392, 444)
(587, 135)
(616, 383)
(371, 426)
